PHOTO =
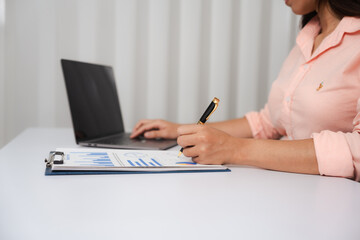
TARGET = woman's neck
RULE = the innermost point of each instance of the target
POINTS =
(328, 20)
(328, 23)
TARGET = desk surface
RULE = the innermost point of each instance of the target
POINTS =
(247, 203)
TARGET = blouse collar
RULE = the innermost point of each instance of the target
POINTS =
(306, 37)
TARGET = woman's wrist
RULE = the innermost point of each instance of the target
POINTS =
(239, 151)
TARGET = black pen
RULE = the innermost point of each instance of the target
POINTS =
(210, 109)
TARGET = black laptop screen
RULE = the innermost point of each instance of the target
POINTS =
(93, 100)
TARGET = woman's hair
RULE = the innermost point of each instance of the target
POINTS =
(340, 8)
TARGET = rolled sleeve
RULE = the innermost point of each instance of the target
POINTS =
(338, 153)
(260, 124)
(334, 153)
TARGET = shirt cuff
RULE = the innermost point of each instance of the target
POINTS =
(254, 122)
(333, 154)
(260, 126)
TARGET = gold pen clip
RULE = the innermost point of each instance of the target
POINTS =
(216, 102)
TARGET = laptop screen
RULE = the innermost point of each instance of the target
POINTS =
(93, 100)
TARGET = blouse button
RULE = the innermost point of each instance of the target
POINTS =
(287, 99)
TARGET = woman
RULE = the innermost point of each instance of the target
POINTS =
(314, 103)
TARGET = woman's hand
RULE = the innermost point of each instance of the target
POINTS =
(207, 145)
(155, 129)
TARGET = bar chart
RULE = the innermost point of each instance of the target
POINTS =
(97, 159)
(144, 162)
(153, 159)
(126, 158)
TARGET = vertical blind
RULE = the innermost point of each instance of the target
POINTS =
(2, 85)
(170, 57)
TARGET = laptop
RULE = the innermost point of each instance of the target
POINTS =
(95, 109)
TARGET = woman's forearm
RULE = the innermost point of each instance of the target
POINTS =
(290, 156)
(208, 145)
(236, 127)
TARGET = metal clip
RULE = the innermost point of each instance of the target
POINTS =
(55, 158)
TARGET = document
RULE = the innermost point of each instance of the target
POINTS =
(84, 159)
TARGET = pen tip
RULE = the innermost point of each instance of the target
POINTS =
(179, 154)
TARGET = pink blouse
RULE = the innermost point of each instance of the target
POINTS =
(318, 96)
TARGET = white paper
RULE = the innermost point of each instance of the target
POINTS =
(127, 160)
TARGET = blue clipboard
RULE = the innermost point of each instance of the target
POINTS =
(49, 172)
(56, 157)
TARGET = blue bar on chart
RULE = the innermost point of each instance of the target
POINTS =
(142, 161)
(186, 163)
(156, 162)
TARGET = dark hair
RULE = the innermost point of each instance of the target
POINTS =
(340, 8)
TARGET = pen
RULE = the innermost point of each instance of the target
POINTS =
(210, 109)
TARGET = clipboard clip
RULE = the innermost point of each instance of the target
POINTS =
(55, 158)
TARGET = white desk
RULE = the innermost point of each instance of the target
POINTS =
(247, 203)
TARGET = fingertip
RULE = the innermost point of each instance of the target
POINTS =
(134, 134)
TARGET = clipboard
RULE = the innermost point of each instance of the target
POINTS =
(95, 162)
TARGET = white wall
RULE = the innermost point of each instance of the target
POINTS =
(170, 57)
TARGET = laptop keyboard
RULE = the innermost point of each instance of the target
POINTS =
(119, 140)
(139, 142)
